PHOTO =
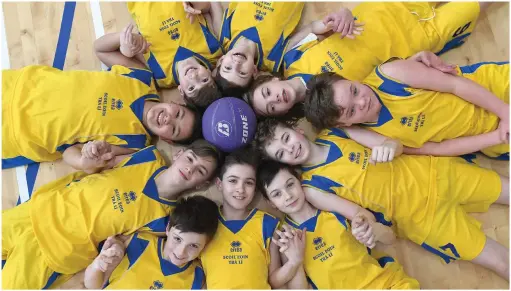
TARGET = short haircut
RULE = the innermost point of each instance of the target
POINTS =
(320, 108)
(196, 127)
(195, 214)
(245, 156)
(295, 113)
(267, 172)
(266, 131)
(205, 96)
(229, 89)
(203, 149)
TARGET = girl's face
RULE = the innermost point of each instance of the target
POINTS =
(274, 98)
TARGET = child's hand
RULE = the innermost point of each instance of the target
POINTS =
(362, 231)
(97, 154)
(111, 253)
(296, 250)
(131, 43)
(195, 8)
(504, 131)
(385, 152)
(343, 23)
(433, 61)
(283, 238)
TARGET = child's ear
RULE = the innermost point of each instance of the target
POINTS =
(181, 92)
(255, 71)
(176, 155)
(167, 229)
(218, 183)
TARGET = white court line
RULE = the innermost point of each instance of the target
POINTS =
(97, 20)
(21, 173)
(6, 64)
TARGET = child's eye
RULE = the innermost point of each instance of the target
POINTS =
(352, 111)
(177, 114)
(250, 183)
(205, 80)
(243, 73)
(276, 194)
(279, 155)
(195, 246)
(290, 185)
(286, 138)
(272, 108)
(177, 239)
(232, 181)
(191, 88)
(227, 68)
(189, 159)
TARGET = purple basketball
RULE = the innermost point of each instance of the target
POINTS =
(229, 123)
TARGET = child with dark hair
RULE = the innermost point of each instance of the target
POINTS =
(79, 212)
(333, 258)
(163, 262)
(180, 52)
(426, 198)
(242, 244)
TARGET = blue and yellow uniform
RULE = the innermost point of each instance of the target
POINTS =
(334, 259)
(173, 38)
(241, 248)
(416, 116)
(392, 29)
(60, 228)
(425, 198)
(46, 110)
(267, 24)
(144, 267)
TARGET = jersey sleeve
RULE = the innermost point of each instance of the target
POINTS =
(270, 224)
(142, 75)
(157, 226)
(198, 279)
(145, 155)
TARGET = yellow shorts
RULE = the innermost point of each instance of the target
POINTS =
(399, 279)
(493, 76)
(451, 24)
(25, 267)
(462, 188)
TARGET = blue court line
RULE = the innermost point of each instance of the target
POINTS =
(58, 62)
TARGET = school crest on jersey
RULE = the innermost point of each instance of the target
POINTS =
(354, 157)
(156, 285)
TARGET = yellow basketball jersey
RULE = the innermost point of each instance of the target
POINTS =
(334, 259)
(240, 248)
(72, 218)
(401, 192)
(144, 267)
(267, 24)
(46, 110)
(392, 29)
(173, 38)
(416, 116)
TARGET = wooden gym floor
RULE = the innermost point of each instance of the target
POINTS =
(30, 35)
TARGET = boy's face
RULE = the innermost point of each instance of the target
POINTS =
(285, 192)
(358, 102)
(274, 98)
(190, 170)
(288, 146)
(236, 68)
(238, 186)
(170, 121)
(183, 247)
(193, 78)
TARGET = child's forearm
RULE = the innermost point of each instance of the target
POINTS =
(73, 157)
(108, 52)
(299, 281)
(457, 146)
(283, 274)
(93, 278)
(302, 33)
(216, 12)
(333, 203)
(480, 96)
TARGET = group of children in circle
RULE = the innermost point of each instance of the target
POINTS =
(398, 168)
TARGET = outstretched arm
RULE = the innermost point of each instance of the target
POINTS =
(418, 75)
(458, 146)
(97, 273)
(122, 48)
(384, 149)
